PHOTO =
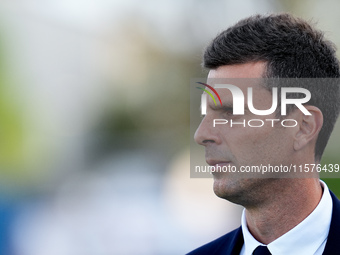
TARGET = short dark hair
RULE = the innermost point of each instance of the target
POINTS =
(291, 48)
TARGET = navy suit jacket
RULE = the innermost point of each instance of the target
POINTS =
(231, 243)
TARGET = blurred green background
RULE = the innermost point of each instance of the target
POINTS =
(94, 133)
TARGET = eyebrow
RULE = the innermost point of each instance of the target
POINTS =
(226, 107)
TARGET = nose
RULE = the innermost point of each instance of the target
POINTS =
(206, 133)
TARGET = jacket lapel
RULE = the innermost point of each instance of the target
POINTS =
(235, 246)
(238, 243)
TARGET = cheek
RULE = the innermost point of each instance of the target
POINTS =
(274, 146)
(258, 145)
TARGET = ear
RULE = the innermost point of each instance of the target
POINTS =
(309, 127)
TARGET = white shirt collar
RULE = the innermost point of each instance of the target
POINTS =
(308, 237)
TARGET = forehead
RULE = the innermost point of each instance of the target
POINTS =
(243, 76)
(246, 70)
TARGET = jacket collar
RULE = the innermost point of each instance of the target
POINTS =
(332, 245)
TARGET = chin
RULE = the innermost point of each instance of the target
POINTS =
(228, 189)
(240, 191)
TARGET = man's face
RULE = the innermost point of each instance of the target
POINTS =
(239, 145)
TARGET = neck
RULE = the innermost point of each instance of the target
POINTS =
(290, 202)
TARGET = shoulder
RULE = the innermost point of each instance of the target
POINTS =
(228, 242)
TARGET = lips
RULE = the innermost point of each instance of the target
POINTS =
(218, 164)
(212, 162)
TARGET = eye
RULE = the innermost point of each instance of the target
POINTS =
(227, 111)
(228, 114)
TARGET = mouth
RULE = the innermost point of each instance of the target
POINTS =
(216, 163)
(220, 167)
